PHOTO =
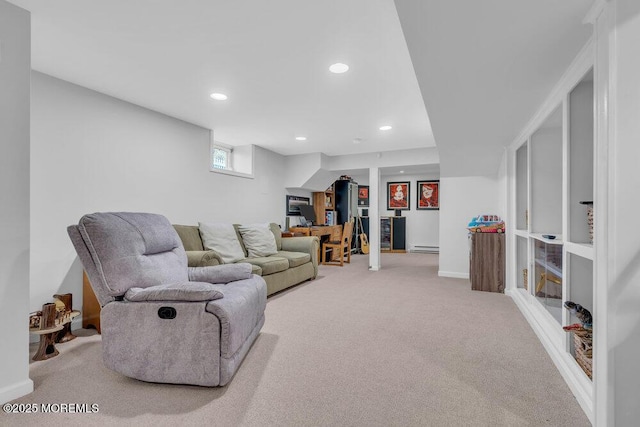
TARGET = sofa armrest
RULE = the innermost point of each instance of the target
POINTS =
(188, 291)
(220, 273)
(203, 258)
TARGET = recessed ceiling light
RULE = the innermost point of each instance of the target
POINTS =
(401, 171)
(219, 96)
(385, 127)
(301, 138)
(339, 68)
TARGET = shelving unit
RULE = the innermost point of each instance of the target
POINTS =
(553, 171)
(323, 202)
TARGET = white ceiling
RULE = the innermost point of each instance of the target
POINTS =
(270, 57)
(485, 67)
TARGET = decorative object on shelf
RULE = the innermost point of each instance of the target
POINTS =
(549, 236)
(428, 195)
(294, 202)
(398, 195)
(589, 205)
(525, 276)
(583, 346)
(52, 323)
(345, 178)
(363, 195)
(486, 224)
(581, 313)
(544, 277)
(330, 218)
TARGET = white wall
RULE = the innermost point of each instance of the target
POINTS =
(423, 226)
(15, 63)
(462, 198)
(91, 152)
(545, 212)
(624, 244)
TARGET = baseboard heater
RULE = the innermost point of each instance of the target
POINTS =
(425, 249)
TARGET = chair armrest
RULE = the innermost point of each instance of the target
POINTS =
(188, 291)
(307, 244)
(203, 258)
(220, 273)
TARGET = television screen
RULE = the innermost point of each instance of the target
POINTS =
(308, 213)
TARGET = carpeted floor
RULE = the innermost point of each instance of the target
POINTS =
(398, 347)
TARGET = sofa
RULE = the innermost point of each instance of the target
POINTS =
(163, 321)
(295, 259)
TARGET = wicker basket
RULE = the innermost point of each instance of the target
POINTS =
(583, 344)
(525, 274)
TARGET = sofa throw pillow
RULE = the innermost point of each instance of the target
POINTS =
(223, 239)
(258, 239)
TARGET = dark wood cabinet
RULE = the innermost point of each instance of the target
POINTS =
(486, 269)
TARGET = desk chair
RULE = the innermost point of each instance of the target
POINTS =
(339, 249)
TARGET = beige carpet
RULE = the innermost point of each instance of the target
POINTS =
(400, 347)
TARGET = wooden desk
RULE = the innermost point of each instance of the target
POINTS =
(324, 233)
(334, 231)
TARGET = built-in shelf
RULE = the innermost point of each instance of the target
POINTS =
(585, 250)
(553, 170)
(556, 241)
(521, 233)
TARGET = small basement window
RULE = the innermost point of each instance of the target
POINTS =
(221, 158)
(236, 161)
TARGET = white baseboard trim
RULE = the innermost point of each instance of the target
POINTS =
(15, 391)
(453, 274)
(580, 386)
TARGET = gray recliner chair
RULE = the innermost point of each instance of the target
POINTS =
(161, 320)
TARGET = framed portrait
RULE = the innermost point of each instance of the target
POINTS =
(429, 195)
(398, 195)
(363, 195)
(293, 204)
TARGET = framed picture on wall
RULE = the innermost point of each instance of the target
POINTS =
(363, 195)
(429, 195)
(293, 204)
(398, 195)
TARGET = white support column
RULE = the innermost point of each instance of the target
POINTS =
(374, 219)
(15, 72)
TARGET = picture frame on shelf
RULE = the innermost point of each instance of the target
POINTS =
(398, 195)
(363, 196)
(293, 204)
(428, 195)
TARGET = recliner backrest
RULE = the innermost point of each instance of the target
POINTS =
(121, 250)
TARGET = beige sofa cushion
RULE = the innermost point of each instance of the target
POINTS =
(223, 239)
(190, 237)
(270, 264)
(258, 240)
(295, 258)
